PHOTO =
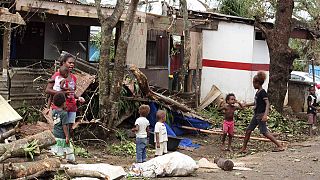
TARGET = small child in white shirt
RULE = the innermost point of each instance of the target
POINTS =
(59, 81)
(142, 129)
(161, 136)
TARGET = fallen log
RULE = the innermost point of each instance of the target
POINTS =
(16, 148)
(27, 169)
(224, 164)
(144, 87)
(86, 173)
(221, 133)
(9, 133)
(25, 159)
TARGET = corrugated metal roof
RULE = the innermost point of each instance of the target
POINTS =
(8, 114)
(79, 3)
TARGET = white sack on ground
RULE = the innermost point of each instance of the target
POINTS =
(173, 164)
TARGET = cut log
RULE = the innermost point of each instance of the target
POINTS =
(16, 148)
(9, 133)
(20, 170)
(224, 164)
(25, 159)
(86, 173)
(221, 133)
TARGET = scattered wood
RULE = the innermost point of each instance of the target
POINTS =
(20, 170)
(86, 173)
(6, 16)
(144, 87)
(224, 164)
(16, 148)
(221, 133)
(9, 133)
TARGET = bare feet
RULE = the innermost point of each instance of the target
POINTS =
(278, 149)
(243, 150)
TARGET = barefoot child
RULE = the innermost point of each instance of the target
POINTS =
(312, 109)
(160, 134)
(63, 146)
(142, 129)
(228, 123)
(261, 110)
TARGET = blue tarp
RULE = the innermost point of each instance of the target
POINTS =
(174, 121)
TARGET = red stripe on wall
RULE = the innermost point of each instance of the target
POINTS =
(235, 65)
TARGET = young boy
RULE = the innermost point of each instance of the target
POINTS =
(142, 129)
(160, 131)
(312, 110)
(261, 110)
(63, 146)
(228, 124)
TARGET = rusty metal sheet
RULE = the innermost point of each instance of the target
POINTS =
(83, 82)
(8, 114)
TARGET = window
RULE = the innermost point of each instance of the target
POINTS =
(157, 49)
(260, 36)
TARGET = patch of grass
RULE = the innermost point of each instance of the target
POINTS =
(81, 152)
(125, 148)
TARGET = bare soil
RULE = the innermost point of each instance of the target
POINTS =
(300, 160)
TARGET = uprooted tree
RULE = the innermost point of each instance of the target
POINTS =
(110, 80)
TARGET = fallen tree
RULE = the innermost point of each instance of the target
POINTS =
(144, 87)
(17, 148)
(28, 169)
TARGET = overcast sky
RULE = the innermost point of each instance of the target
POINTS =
(156, 7)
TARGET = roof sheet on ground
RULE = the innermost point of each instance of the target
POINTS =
(7, 113)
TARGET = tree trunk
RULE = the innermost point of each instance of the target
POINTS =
(104, 72)
(198, 79)
(16, 148)
(19, 170)
(120, 62)
(107, 25)
(186, 44)
(281, 55)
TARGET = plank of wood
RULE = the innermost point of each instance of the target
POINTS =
(221, 133)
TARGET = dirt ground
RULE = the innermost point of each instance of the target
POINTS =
(299, 161)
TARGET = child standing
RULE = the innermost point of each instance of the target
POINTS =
(261, 110)
(63, 146)
(312, 110)
(228, 123)
(160, 134)
(142, 129)
(60, 81)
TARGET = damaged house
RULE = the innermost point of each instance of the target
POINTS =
(232, 49)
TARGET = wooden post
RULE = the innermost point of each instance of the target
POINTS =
(6, 49)
(313, 72)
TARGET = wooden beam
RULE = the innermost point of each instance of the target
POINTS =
(6, 16)
(6, 49)
(175, 26)
(67, 9)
